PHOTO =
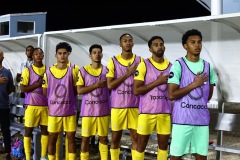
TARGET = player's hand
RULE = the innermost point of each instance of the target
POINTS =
(200, 79)
(101, 83)
(131, 69)
(40, 81)
(162, 79)
(3, 80)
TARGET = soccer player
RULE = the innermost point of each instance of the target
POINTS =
(124, 104)
(95, 107)
(60, 89)
(36, 113)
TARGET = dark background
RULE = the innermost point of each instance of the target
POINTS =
(74, 14)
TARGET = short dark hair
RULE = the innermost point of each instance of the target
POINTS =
(125, 34)
(95, 46)
(38, 48)
(192, 32)
(29, 46)
(64, 45)
(152, 39)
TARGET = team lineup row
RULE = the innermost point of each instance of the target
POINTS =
(141, 92)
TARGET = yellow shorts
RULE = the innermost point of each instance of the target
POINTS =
(147, 123)
(93, 125)
(35, 116)
(122, 119)
(57, 124)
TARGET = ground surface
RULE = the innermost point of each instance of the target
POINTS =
(229, 139)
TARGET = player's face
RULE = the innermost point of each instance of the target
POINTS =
(38, 55)
(127, 43)
(157, 48)
(29, 52)
(96, 55)
(62, 55)
(193, 45)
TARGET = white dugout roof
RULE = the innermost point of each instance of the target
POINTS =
(14, 50)
(221, 44)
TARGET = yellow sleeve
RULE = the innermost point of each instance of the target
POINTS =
(80, 81)
(110, 67)
(45, 81)
(140, 72)
(25, 77)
